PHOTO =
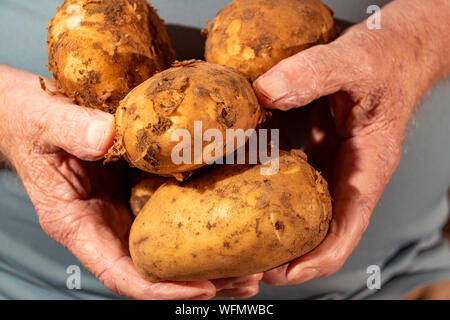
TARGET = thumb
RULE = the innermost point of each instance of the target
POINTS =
(83, 132)
(306, 76)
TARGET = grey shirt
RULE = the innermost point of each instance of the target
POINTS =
(403, 238)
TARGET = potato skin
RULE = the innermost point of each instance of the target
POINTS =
(99, 50)
(252, 36)
(231, 222)
(190, 91)
(143, 188)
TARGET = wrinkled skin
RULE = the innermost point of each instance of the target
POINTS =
(52, 144)
(357, 141)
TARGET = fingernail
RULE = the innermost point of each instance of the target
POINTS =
(300, 274)
(96, 132)
(273, 86)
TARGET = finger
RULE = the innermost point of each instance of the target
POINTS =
(121, 277)
(83, 132)
(238, 282)
(239, 293)
(134, 286)
(316, 72)
(363, 168)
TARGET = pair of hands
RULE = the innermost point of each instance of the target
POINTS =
(371, 82)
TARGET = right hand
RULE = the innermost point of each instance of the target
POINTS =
(372, 80)
(80, 203)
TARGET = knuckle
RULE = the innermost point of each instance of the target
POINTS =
(68, 122)
(60, 125)
(32, 128)
(36, 121)
(311, 62)
(313, 65)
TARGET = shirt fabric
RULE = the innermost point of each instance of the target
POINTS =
(403, 237)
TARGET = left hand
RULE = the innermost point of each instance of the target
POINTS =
(82, 204)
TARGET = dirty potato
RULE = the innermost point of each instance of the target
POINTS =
(99, 50)
(213, 96)
(252, 36)
(231, 221)
(144, 185)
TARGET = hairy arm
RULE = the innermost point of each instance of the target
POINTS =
(425, 26)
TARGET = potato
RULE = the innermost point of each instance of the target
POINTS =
(217, 96)
(99, 50)
(231, 221)
(252, 36)
(144, 186)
